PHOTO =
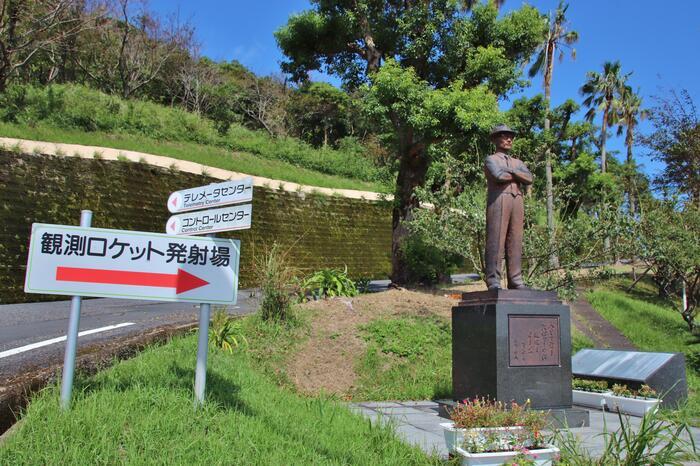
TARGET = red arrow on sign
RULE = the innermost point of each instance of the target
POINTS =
(182, 281)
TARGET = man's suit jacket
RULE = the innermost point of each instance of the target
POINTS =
(504, 175)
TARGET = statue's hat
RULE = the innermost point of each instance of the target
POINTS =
(502, 129)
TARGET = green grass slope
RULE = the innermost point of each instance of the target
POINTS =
(651, 324)
(80, 115)
(140, 412)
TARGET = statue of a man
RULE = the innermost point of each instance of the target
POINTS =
(504, 210)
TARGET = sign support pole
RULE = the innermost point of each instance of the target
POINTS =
(200, 375)
(72, 337)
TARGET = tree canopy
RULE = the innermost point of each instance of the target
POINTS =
(433, 70)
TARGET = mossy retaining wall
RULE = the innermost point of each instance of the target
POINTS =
(317, 230)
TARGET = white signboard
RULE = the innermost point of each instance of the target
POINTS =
(79, 261)
(211, 221)
(213, 195)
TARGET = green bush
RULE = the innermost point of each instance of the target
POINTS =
(82, 108)
(426, 263)
(327, 283)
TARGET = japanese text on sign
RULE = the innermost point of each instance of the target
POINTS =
(83, 261)
(533, 340)
(218, 194)
(96, 246)
(210, 221)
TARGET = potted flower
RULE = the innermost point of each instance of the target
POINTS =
(634, 402)
(486, 432)
(590, 393)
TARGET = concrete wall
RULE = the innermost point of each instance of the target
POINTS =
(318, 230)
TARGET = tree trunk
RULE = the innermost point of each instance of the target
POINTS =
(603, 161)
(551, 47)
(413, 166)
(631, 192)
(604, 138)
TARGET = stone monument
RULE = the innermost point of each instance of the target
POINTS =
(511, 344)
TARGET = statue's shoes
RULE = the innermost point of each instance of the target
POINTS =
(518, 287)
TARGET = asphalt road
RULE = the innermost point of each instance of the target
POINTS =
(24, 326)
(35, 323)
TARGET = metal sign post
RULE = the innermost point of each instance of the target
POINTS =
(200, 374)
(237, 217)
(72, 337)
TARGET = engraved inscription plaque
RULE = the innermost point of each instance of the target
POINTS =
(533, 340)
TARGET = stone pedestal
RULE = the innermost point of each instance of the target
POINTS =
(513, 345)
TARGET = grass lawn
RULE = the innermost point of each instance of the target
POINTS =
(406, 358)
(579, 341)
(140, 412)
(397, 344)
(652, 325)
(205, 154)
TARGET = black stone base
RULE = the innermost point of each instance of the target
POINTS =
(558, 418)
(512, 345)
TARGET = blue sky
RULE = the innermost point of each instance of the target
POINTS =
(657, 43)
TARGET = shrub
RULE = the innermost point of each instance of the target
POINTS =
(276, 278)
(327, 283)
(426, 263)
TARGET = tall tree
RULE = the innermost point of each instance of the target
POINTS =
(600, 91)
(443, 68)
(630, 112)
(558, 37)
(676, 142)
(30, 27)
(128, 50)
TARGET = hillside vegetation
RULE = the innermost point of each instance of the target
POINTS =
(62, 112)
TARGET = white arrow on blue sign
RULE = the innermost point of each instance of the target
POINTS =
(80, 261)
(213, 195)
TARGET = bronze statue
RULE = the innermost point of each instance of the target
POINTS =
(504, 210)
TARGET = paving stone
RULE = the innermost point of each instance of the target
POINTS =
(380, 404)
(426, 404)
(429, 442)
(400, 411)
(419, 425)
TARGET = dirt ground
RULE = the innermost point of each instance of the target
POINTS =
(324, 361)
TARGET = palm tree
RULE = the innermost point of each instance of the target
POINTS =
(558, 37)
(629, 115)
(600, 91)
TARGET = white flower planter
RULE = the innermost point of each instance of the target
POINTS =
(455, 436)
(632, 406)
(589, 399)
(542, 457)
